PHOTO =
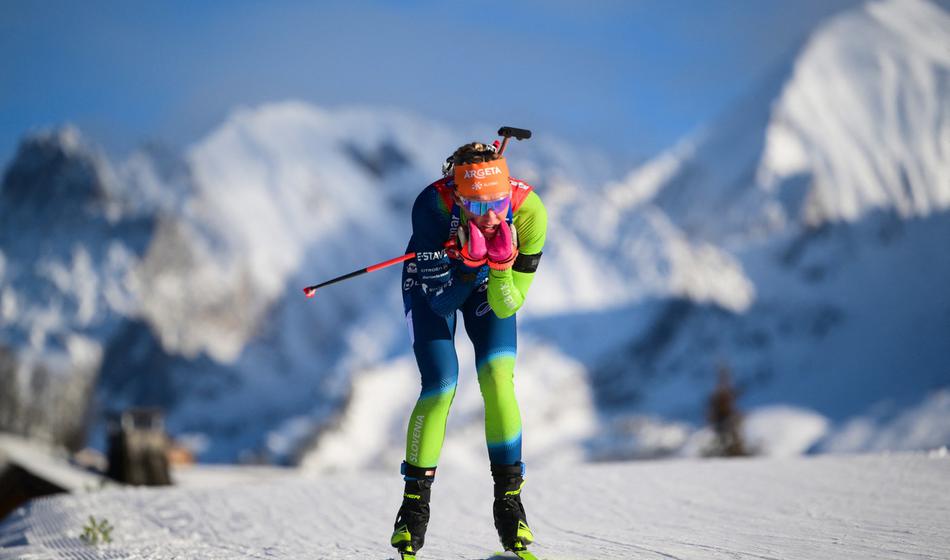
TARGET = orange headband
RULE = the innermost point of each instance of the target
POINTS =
(476, 180)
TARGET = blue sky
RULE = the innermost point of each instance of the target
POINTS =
(630, 77)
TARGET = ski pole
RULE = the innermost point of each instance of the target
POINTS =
(309, 291)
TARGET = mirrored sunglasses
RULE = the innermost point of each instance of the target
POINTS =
(481, 207)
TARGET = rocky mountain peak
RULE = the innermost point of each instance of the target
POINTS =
(55, 175)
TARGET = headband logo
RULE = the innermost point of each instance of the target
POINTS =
(482, 173)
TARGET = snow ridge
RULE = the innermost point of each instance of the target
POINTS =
(857, 122)
(866, 115)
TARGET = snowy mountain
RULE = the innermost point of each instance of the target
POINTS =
(69, 242)
(864, 117)
(211, 324)
(792, 241)
(855, 123)
(832, 204)
(734, 249)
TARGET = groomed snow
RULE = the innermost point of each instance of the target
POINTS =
(835, 508)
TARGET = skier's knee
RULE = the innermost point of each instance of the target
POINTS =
(495, 378)
(438, 400)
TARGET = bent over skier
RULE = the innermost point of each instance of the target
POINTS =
(478, 235)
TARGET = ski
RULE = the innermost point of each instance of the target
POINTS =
(523, 554)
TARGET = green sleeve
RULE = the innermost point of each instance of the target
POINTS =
(507, 288)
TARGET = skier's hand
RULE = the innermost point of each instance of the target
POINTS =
(501, 249)
(473, 253)
(475, 249)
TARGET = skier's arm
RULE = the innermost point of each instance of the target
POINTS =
(507, 288)
(445, 282)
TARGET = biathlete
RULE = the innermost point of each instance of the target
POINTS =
(478, 235)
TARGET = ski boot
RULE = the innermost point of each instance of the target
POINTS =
(409, 531)
(510, 519)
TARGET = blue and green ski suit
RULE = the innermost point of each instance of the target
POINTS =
(435, 288)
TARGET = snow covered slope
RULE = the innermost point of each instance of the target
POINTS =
(831, 508)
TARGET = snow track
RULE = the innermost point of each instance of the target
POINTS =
(870, 507)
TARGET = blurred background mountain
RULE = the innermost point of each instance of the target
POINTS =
(795, 239)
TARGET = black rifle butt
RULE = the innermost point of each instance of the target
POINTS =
(517, 133)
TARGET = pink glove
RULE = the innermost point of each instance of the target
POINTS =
(475, 247)
(501, 250)
(474, 251)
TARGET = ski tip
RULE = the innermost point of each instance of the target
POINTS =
(309, 292)
(523, 554)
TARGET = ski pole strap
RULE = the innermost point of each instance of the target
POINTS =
(417, 473)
